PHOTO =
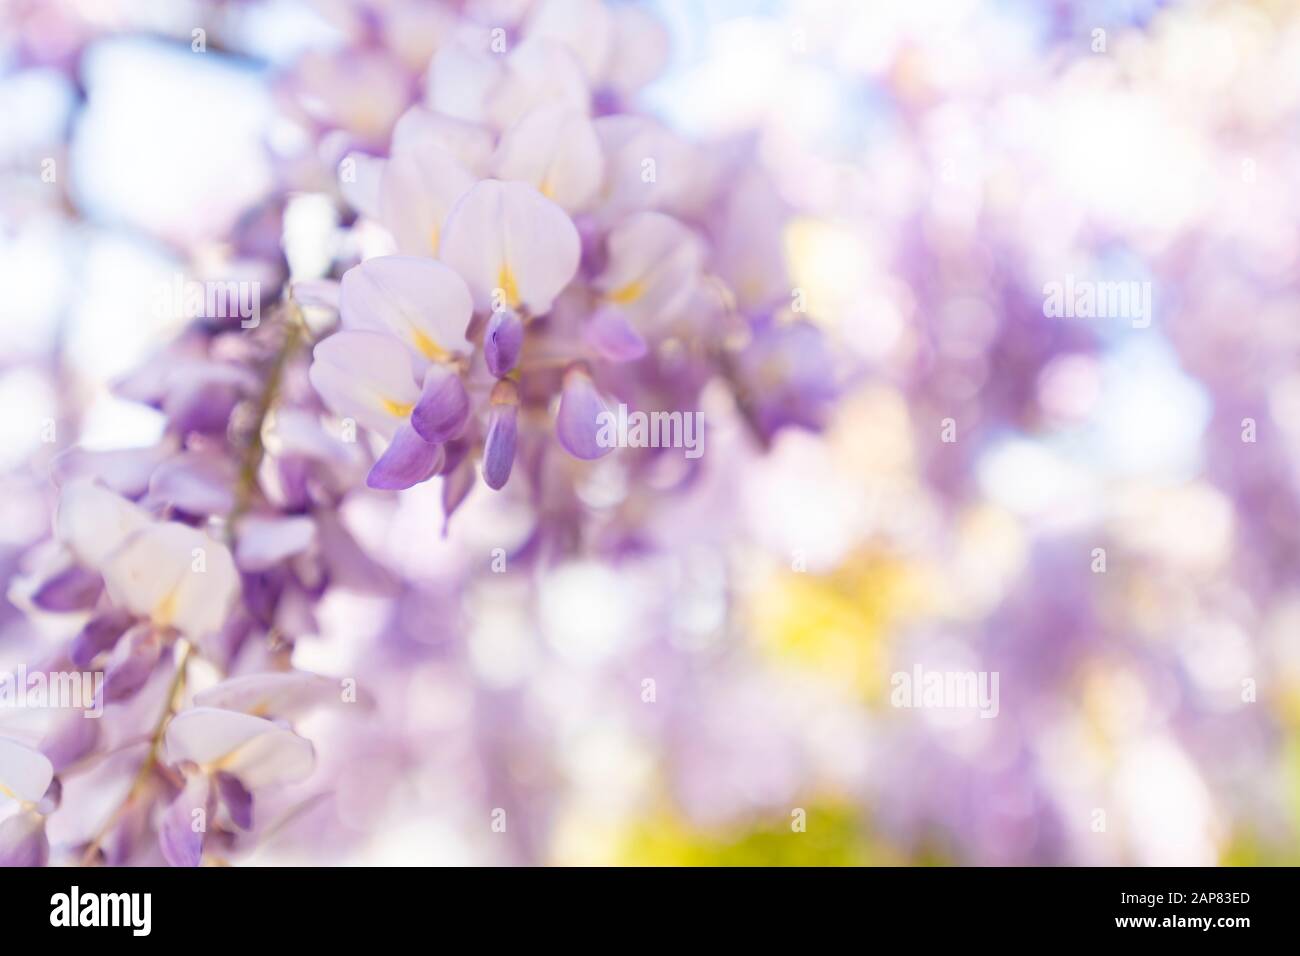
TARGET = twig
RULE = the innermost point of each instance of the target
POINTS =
(174, 692)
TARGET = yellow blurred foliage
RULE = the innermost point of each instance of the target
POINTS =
(835, 625)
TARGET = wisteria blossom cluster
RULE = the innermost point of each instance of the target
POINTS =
(385, 573)
(554, 256)
(549, 254)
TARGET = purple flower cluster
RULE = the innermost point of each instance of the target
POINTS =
(545, 253)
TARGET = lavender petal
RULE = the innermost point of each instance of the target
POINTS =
(443, 408)
(408, 461)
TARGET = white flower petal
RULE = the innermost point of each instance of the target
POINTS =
(538, 71)
(415, 196)
(646, 167)
(93, 521)
(284, 694)
(366, 376)
(25, 773)
(460, 80)
(176, 576)
(265, 542)
(257, 751)
(583, 26)
(639, 49)
(511, 238)
(359, 178)
(420, 301)
(421, 130)
(556, 150)
(654, 265)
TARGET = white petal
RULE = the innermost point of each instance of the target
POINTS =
(646, 166)
(654, 265)
(508, 12)
(359, 178)
(285, 694)
(25, 773)
(538, 71)
(125, 471)
(639, 49)
(461, 79)
(420, 301)
(511, 238)
(366, 376)
(414, 29)
(93, 521)
(422, 130)
(417, 192)
(556, 150)
(583, 26)
(317, 293)
(749, 246)
(257, 751)
(196, 482)
(265, 542)
(176, 576)
(296, 431)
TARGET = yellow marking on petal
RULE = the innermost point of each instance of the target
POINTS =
(397, 409)
(628, 294)
(547, 188)
(428, 347)
(8, 793)
(434, 238)
(165, 610)
(508, 286)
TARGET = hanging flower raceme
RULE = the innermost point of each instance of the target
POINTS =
(527, 256)
(401, 363)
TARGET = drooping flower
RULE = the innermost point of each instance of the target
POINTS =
(226, 757)
(499, 445)
(579, 419)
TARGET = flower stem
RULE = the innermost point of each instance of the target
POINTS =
(251, 460)
(142, 777)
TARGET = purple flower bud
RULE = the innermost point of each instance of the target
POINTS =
(443, 409)
(499, 446)
(23, 841)
(408, 461)
(502, 341)
(237, 798)
(73, 589)
(580, 417)
(101, 633)
(610, 333)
